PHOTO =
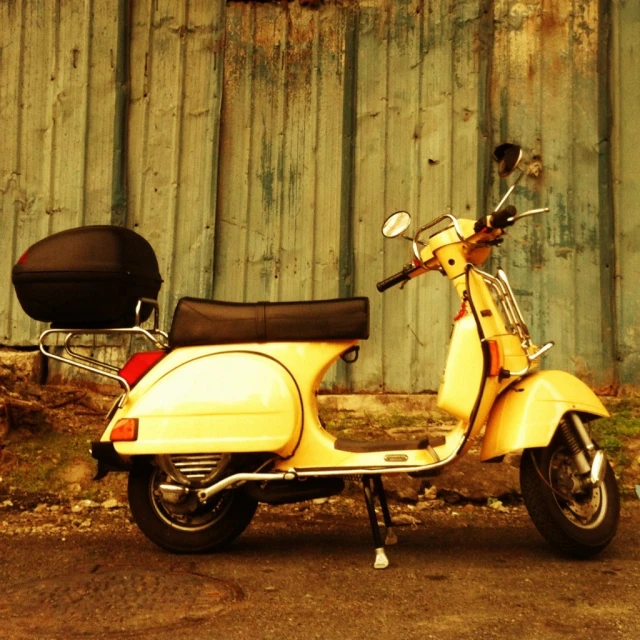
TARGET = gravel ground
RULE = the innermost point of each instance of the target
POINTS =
(458, 571)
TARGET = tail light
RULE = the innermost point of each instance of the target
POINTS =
(494, 352)
(139, 365)
(126, 430)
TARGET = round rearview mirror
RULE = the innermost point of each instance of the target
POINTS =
(507, 156)
(396, 224)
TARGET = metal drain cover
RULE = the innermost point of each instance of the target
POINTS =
(113, 599)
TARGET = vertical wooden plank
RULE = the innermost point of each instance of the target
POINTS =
(12, 194)
(70, 110)
(100, 138)
(524, 71)
(436, 166)
(294, 253)
(370, 183)
(176, 74)
(157, 84)
(547, 95)
(332, 157)
(37, 80)
(277, 72)
(625, 86)
(403, 182)
(555, 313)
(520, 66)
(236, 148)
(280, 197)
(465, 125)
(252, 171)
(61, 136)
(196, 144)
(139, 102)
(563, 314)
(594, 360)
(265, 214)
(333, 89)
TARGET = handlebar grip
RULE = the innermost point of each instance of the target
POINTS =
(498, 220)
(501, 219)
(392, 281)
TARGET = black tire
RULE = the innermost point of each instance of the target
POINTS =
(189, 527)
(575, 522)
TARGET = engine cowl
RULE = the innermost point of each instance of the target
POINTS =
(194, 469)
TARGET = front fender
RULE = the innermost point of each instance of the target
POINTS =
(527, 413)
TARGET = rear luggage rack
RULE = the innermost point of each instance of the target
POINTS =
(157, 337)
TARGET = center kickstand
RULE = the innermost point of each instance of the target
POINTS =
(373, 487)
(390, 535)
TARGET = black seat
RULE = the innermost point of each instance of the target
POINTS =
(200, 322)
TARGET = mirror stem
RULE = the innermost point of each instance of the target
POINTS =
(509, 191)
(422, 244)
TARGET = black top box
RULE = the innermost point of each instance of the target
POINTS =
(87, 278)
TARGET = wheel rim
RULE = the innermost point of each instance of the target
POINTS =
(584, 508)
(190, 514)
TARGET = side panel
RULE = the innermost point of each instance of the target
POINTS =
(463, 373)
(528, 412)
(222, 402)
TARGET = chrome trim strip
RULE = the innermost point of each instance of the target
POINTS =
(294, 474)
(540, 351)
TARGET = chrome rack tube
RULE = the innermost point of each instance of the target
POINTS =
(503, 277)
(499, 290)
(75, 359)
(509, 305)
(86, 359)
(90, 366)
(156, 315)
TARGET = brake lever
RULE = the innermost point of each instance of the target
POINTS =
(526, 214)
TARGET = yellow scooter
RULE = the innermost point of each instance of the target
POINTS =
(223, 413)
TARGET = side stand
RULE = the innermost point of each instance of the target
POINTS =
(372, 486)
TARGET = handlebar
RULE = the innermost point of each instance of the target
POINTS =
(504, 218)
(494, 221)
(396, 278)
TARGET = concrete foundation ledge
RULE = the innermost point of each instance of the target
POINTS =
(379, 403)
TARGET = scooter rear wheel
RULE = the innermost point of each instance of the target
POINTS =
(188, 526)
(575, 521)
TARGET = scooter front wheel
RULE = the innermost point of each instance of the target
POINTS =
(186, 525)
(576, 520)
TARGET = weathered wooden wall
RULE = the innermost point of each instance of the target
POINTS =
(59, 156)
(175, 79)
(331, 120)
(259, 146)
(624, 66)
(549, 91)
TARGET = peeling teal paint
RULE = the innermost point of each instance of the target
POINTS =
(267, 177)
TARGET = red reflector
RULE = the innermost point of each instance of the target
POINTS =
(23, 257)
(139, 364)
(494, 351)
(462, 312)
(126, 430)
